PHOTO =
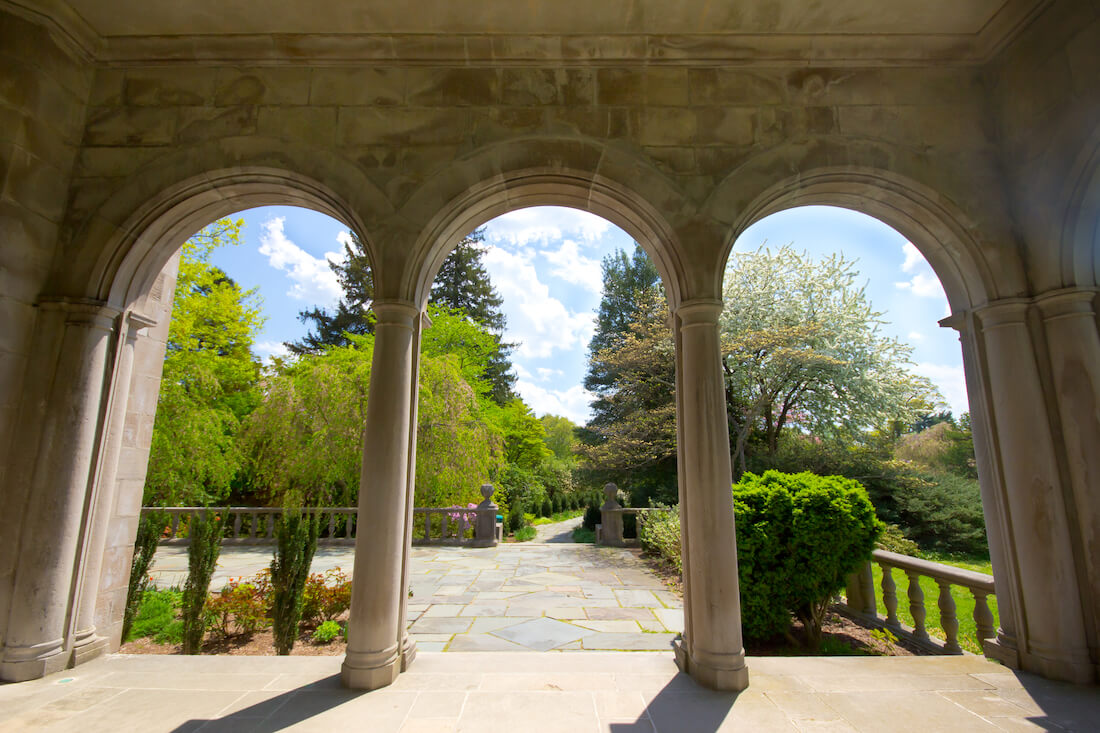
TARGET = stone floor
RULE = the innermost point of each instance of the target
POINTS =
(618, 692)
(543, 596)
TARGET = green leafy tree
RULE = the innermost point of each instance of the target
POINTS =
(524, 437)
(209, 378)
(560, 436)
(802, 345)
(631, 437)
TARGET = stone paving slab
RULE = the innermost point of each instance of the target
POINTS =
(541, 693)
(462, 593)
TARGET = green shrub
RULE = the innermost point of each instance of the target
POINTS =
(150, 528)
(296, 537)
(557, 504)
(327, 631)
(326, 596)
(202, 556)
(583, 536)
(157, 617)
(240, 607)
(893, 539)
(798, 537)
(526, 534)
(547, 507)
(659, 535)
(592, 517)
(516, 520)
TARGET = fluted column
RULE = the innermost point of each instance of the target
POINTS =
(71, 362)
(375, 625)
(1051, 637)
(87, 643)
(711, 651)
(1073, 345)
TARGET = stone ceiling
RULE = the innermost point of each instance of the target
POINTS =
(427, 31)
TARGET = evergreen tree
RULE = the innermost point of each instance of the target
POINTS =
(352, 313)
(628, 281)
(463, 284)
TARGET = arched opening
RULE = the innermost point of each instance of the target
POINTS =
(834, 364)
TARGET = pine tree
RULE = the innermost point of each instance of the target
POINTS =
(352, 313)
(463, 284)
(628, 281)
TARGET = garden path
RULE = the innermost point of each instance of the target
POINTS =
(547, 596)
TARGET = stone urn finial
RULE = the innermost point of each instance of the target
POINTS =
(487, 491)
(610, 491)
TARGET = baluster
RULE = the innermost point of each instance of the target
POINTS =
(443, 526)
(890, 597)
(949, 622)
(269, 525)
(175, 525)
(236, 525)
(916, 605)
(252, 519)
(867, 591)
(332, 525)
(349, 525)
(983, 617)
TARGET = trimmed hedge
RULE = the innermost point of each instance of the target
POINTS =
(798, 537)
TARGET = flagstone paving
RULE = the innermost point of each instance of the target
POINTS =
(541, 596)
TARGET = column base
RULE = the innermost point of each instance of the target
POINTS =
(731, 676)
(86, 651)
(408, 653)
(999, 650)
(1057, 664)
(19, 664)
(370, 671)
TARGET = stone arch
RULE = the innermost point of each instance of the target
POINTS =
(954, 245)
(1080, 246)
(545, 174)
(133, 234)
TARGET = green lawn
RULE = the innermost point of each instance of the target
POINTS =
(559, 517)
(964, 601)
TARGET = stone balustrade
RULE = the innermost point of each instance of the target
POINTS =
(610, 530)
(468, 526)
(861, 601)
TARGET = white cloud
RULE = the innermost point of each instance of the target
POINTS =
(314, 281)
(570, 265)
(267, 350)
(543, 224)
(522, 372)
(951, 382)
(572, 403)
(539, 322)
(916, 336)
(923, 282)
(545, 374)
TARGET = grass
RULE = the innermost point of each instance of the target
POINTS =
(525, 534)
(157, 617)
(964, 601)
(559, 517)
(584, 536)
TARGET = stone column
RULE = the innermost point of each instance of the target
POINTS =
(485, 531)
(1051, 637)
(375, 626)
(994, 501)
(1073, 347)
(71, 365)
(711, 650)
(611, 517)
(87, 644)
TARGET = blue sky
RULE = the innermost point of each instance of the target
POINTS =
(545, 262)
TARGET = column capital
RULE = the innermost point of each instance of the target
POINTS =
(699, 312)
(81, 311)
(395, 312)
(1067, 303)
(1005, 312)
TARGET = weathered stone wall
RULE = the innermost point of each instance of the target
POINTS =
(43, 90)
(137, 435)
(716, 137)
(1047, 106)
